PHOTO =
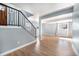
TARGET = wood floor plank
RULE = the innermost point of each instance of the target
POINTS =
(48, 46)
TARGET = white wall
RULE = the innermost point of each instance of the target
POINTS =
(56, 29)
(35, 21)
(76, 29)
(11, 5)
(13, 37)
(49, 29)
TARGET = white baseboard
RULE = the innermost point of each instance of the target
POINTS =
(7, 52)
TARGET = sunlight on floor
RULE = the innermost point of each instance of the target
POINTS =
(68, 39)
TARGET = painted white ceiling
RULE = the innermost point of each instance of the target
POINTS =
(41, 8)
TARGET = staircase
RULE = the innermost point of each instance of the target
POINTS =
(17, 31)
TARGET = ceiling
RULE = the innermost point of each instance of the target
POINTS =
(60, 18)
(41, 8)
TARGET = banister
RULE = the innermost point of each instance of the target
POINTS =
(22, 14)
(19, 11)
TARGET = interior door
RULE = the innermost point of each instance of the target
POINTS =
(3, 15)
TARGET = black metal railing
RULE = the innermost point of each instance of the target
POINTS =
(16, 18)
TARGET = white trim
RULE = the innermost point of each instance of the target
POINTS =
(75, 50)
(10, 26)
(7, 52)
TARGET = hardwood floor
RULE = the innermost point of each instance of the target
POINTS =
(48, 46)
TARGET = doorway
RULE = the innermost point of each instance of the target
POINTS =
(64, 29)
(3, 15)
